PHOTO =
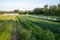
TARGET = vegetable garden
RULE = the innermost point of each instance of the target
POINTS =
(29, 29)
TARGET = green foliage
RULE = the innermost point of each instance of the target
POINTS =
(52, 10)
(5, 30)
(43, 29)
(30, 29)
(37, 32)
(16, 11)
(1, 12)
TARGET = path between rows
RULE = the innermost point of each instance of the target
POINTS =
(14, 34)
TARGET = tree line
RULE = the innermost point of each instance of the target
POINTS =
(53, 10)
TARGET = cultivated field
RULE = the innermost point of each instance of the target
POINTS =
(11, 28)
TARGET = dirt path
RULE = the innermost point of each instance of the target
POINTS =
(14, 33)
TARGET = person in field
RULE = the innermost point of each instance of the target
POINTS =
(21, 20)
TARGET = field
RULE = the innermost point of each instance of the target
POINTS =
(12, 28)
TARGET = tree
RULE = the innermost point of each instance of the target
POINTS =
(20, 12)
(38, 11)
(16, 11)
(1, 12)
(45, 10)
(58, 5)
(27, 12)
(52, 10)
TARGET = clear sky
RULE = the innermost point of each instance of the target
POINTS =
(8, 5)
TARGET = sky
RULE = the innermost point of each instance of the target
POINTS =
(9, 5)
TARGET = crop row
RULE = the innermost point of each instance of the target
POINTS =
(36, 32)
(5, 30)
(54, 27)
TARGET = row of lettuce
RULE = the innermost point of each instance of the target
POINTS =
(37, 29)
